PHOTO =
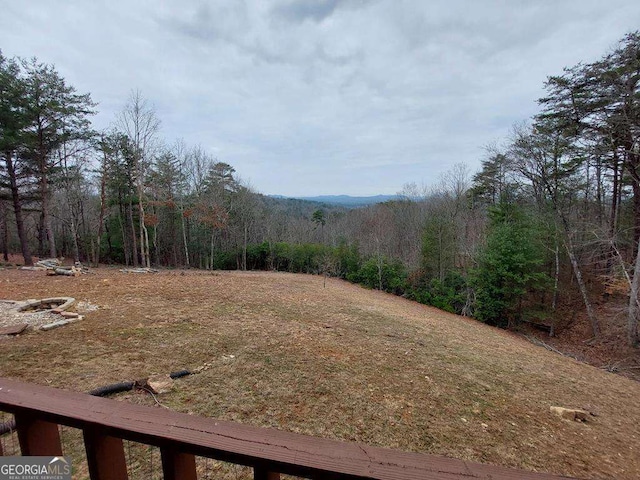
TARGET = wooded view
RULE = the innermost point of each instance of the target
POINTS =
(551, 220)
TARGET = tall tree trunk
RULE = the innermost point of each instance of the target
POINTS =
(109, 244)
(4, 225)
(556, 280)
(613, 215)
(93, 252)
(213, 231)
(103, 207)
(17, 209)
(42, 237)
(74, 204)
(134, 249)
(244, 247)
(556, 275)
(74, 234)
(633, 160)
(144, 234)
(147, 258)
(46, 215)
(636, 214)
(184, 236)
(84, 230)
(43, 184)
(142, 228)
(632, 318)
(599, 195)
(122, 220)
(155, 244)
(613, 218)
(593, 320)
(632, 165)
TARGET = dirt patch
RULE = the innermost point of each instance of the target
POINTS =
(338, 362)
(610, 351)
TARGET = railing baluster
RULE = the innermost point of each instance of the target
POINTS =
(37, 437)
(262, 473)
(105, 456)
(178, 466)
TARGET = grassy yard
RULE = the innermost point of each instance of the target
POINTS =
(343, 362)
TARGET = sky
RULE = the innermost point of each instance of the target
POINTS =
(314, 97)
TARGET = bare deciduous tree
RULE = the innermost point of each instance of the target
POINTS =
(138, 121)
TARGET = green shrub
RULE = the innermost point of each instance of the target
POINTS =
(347, 259)
(382, 274)
(449, 294)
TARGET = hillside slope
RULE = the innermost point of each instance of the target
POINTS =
(338, 361)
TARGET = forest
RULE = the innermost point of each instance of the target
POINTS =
(550, 221)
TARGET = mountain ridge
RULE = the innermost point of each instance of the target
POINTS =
(344, 200)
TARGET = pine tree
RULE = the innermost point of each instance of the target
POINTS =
(508, 268)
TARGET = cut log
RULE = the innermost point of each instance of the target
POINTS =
(70, 272)
(139, 270)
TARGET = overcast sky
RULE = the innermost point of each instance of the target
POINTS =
(321, 97)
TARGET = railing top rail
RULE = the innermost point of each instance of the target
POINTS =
(254, 446)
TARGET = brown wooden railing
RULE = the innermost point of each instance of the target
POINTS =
(105, 423)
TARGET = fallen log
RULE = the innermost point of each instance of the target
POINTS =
(68, 271)
(71, 272)
(139, 270)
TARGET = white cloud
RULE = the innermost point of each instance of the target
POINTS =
(319, 97)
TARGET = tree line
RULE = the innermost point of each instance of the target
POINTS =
(552, 218)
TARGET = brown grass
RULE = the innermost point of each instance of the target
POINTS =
(339, 362)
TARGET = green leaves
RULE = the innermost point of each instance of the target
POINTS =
(381, 273)
(508, 268)
(319, 217)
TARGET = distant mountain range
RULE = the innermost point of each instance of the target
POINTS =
(345, 200)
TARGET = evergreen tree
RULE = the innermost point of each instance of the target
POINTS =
(13, 121)
(55, 115)
(508, 268)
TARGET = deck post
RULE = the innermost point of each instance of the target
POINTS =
(263, 473)
(178, 466)
(105, 456)
(37, 437)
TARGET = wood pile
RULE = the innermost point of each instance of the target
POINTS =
(48, 263)
(53, 266)
(76, 270)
